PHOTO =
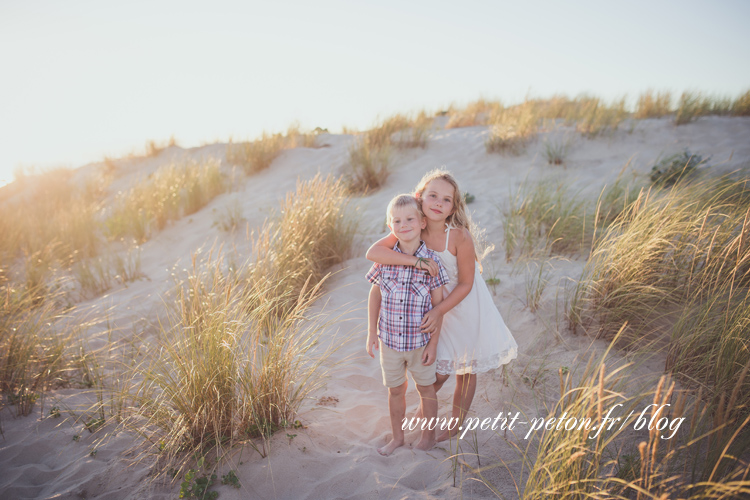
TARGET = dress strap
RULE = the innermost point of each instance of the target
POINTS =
(447, 236)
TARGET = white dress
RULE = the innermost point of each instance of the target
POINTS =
(474, 337)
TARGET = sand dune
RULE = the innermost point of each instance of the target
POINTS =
(333, 455)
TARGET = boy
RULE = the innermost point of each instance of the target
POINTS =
(399, 298)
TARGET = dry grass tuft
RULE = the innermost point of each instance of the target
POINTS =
(154, 149)
(580, 463)
(593, 117)
(676, 267)
(476, 113)
(313, 232)
(511, 129)
(173, 191)
(741, 105)
(693, 105)
(652, 105)
(240, 351)
(371, 153)
(32, 351)
(258, 155)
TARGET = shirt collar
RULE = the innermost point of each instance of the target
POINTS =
(422, 248)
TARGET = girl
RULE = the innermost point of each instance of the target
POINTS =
(473, 335)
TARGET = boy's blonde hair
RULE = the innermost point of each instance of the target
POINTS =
(460, 218)
(403, 200)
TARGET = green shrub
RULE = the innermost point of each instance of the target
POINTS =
(675, 168)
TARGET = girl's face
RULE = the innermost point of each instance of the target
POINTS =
(438, 200)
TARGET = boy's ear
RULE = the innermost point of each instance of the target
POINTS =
(423, 222)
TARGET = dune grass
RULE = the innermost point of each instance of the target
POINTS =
(98, 274)
(173, 191)
(255, 156)
(693, 104)
(154, 148)
(741, 105)
(50, 209)
(675, 266)
(371, 153)
(312, 232)
(593, 117)
(653, 105)
(32, 351)
(581, 463)
(476, 113)
(556, 149)
(511, 129)
(228, 366)
(240, 350)
(545, 217)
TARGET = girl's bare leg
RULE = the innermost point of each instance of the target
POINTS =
(466, 386)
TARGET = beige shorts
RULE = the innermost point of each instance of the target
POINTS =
(395, 363)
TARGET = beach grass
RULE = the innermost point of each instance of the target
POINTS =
(594, 117)
(173, 191)
(584, 463)
(675, 266)
(511, 129)
(255, 156)
(33, 353)
(653, 104)
(312, 232)
(240, 349)
(475, 113)
(556, 149)
(228, 366)
(545, 217)
(98, 274)
(372, 152)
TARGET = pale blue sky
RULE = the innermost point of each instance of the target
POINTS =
(81, 79)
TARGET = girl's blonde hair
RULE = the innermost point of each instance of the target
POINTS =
(460, 217)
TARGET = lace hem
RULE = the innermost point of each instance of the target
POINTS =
(481, 365)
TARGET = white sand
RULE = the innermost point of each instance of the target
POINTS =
(334, 455)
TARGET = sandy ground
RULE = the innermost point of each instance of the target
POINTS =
(334, 455)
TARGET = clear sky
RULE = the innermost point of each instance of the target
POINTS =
(81, 79)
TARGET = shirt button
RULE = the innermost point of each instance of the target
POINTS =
(400, 317)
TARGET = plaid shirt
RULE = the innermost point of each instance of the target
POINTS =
(405, 298)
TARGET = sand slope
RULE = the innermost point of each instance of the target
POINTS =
(334, 455)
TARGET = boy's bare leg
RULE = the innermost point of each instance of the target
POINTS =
(466, 386)
(437, 385)
(428, 404)
(397, 409)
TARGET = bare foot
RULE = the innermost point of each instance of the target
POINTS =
(392, 445)
(425, 444)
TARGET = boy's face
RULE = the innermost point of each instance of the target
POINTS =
(407, 224)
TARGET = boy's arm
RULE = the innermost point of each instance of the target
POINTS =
(373, 313)
(382, 252)
(430, 352)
